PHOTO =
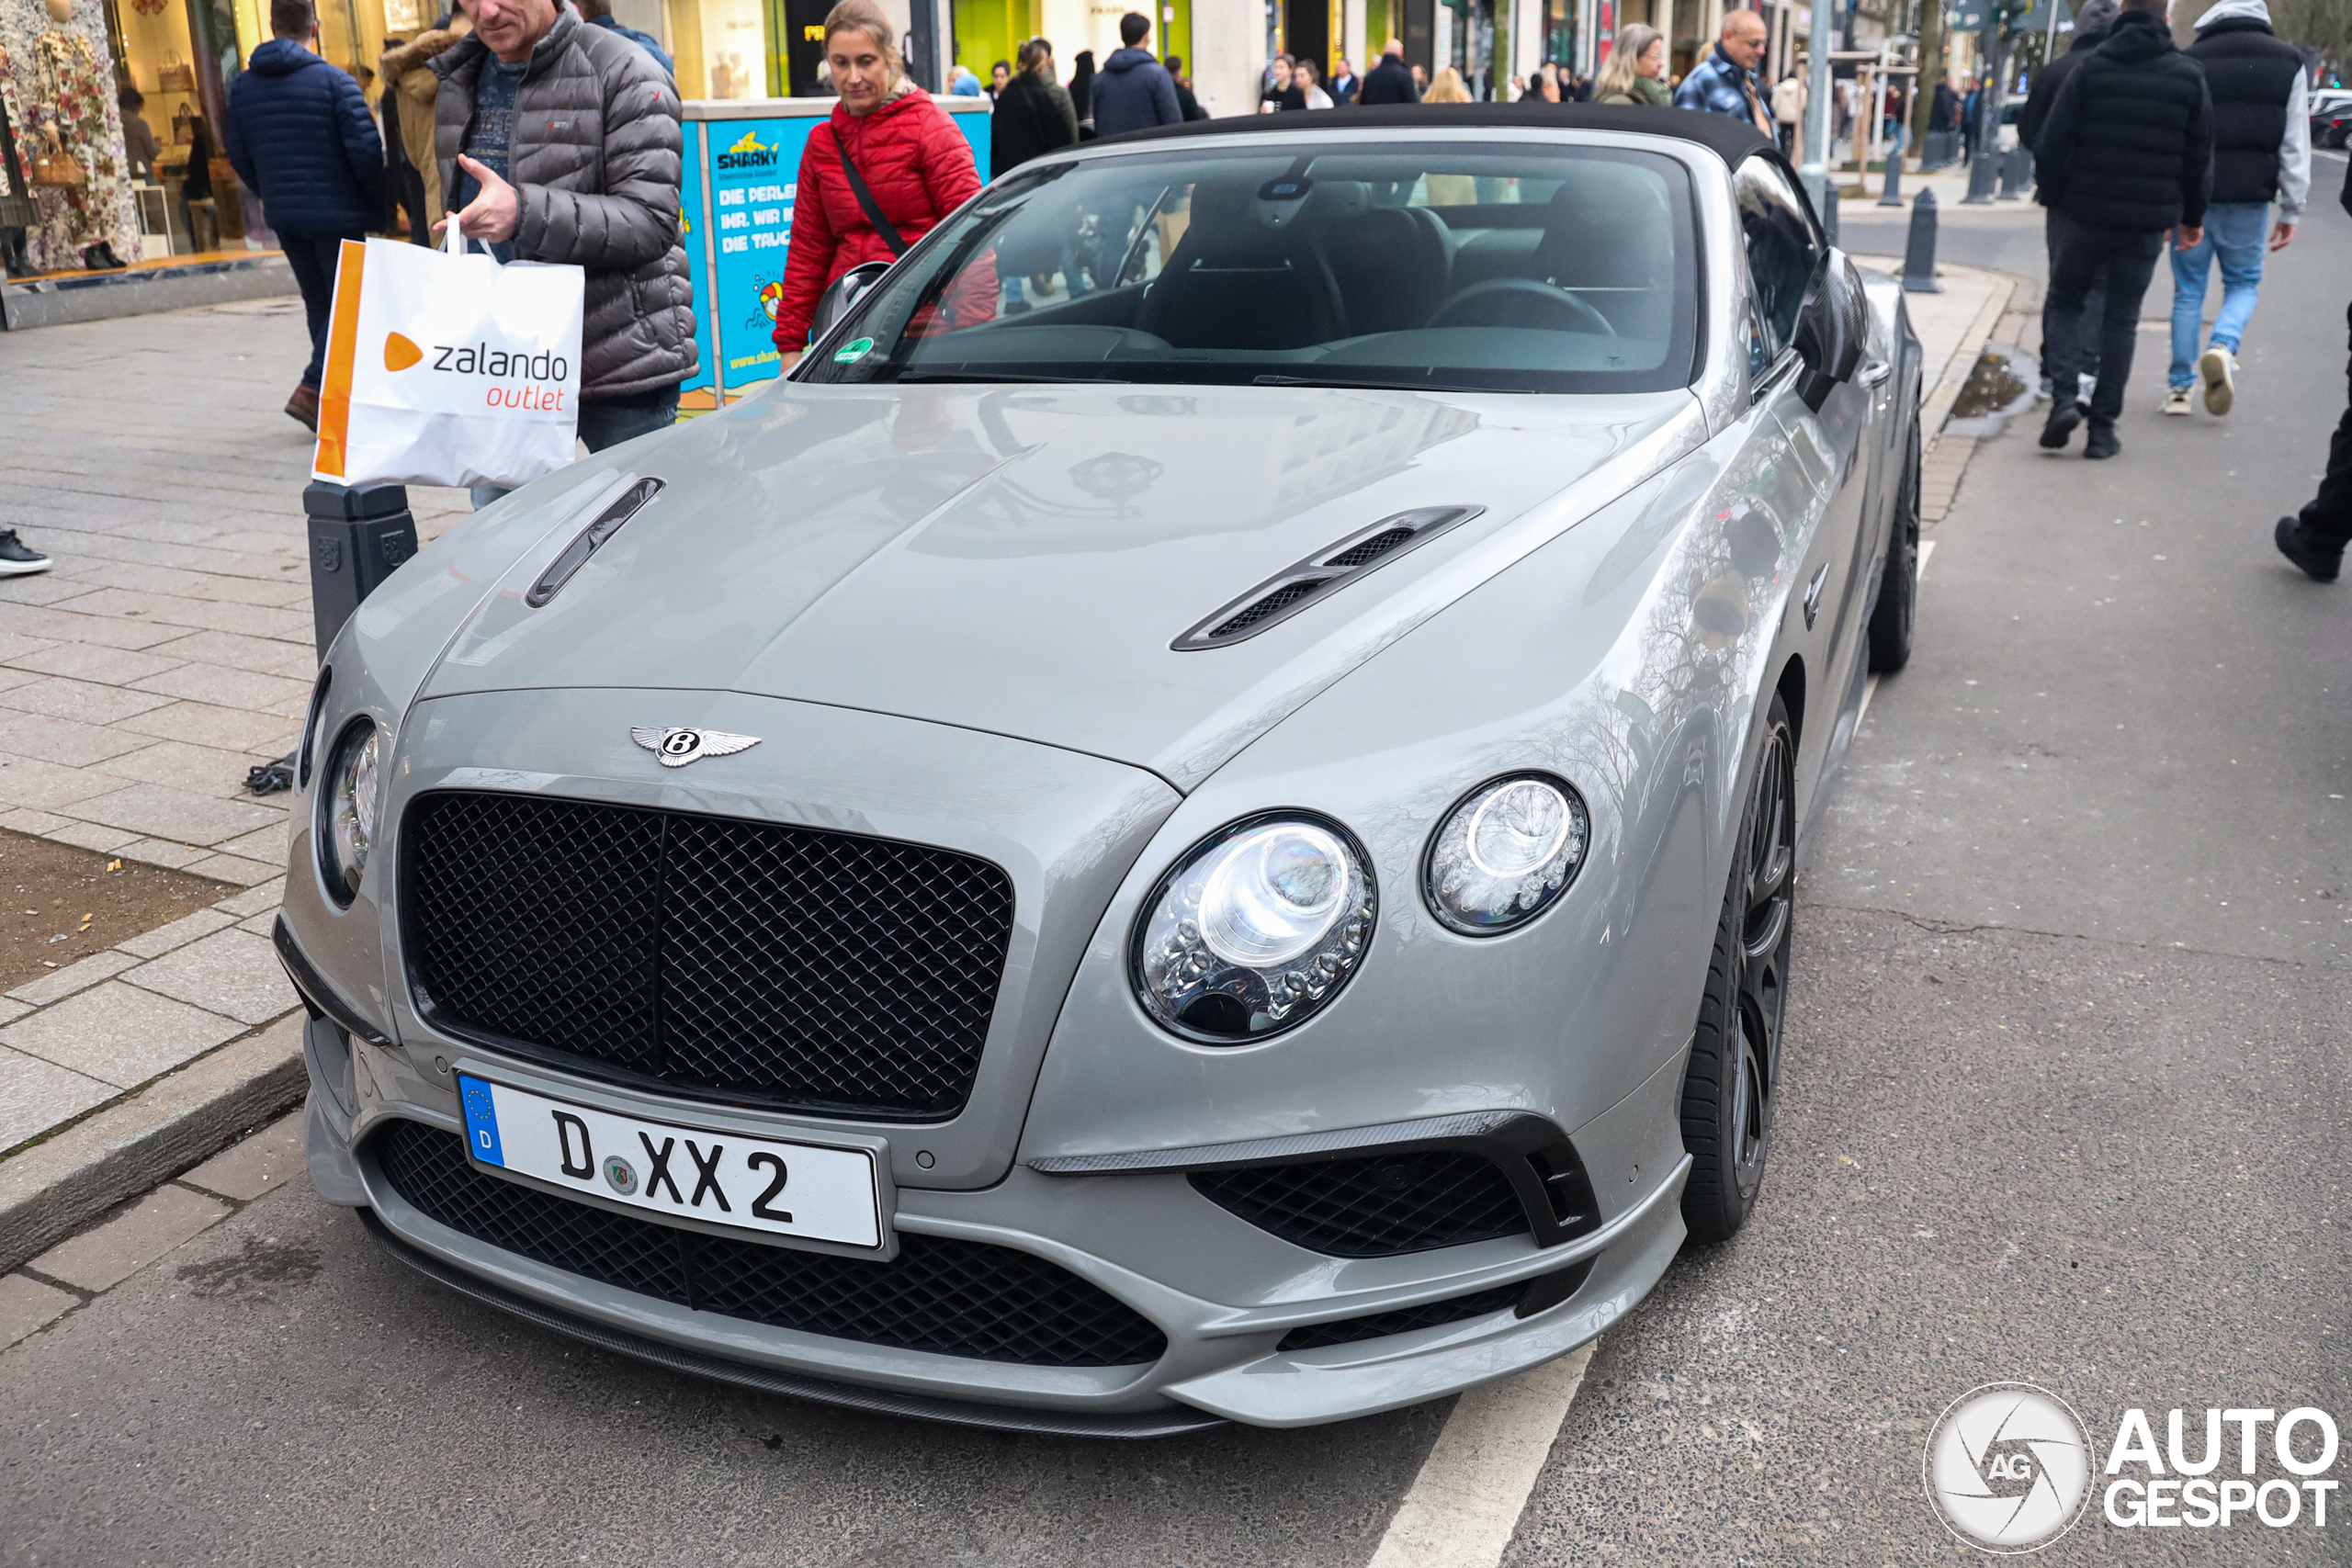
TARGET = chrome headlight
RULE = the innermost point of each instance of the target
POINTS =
(1254, 929)
(347, 825)
(1504, 854)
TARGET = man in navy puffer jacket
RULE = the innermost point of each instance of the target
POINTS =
(300, 135)
(1134, 91)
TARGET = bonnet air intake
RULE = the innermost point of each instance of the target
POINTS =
(1326, 571)
(575, 554)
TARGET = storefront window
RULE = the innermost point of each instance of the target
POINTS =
(721, 48)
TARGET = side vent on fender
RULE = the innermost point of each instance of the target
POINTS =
(1325, 572)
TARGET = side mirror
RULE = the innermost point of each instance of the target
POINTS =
(1832, 325)
(846, 292)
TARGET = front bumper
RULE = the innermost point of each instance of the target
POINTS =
(1222, 1293)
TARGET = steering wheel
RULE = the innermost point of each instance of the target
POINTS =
(1550, 296)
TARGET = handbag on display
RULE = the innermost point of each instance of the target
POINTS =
(56, 167)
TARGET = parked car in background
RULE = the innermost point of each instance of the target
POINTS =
(2331, 114)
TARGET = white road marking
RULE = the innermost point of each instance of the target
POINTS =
(1463, 1507)
(1870, 687)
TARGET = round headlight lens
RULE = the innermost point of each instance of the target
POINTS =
(1505, 852)
(347, 810)
(1254, 929)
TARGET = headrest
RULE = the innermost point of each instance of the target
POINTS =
(1231, 228)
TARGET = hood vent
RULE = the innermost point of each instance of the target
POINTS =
(1326, 571)
(575, 554)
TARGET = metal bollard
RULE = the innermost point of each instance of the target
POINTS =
(359, 536)
(1919, 248)
(1984, 174)
(1892, 194)
(2016, 172)
(1829, 205)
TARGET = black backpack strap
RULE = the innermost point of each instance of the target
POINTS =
(865, 202)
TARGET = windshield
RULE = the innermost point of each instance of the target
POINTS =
(1460, 266)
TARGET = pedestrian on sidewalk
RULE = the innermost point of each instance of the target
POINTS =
(2315, 539)
(1033, 115)
(559, 141)
(411, 88)
(1635, 74)
(1134, 91)
(1726, 82)
(599, 14)
(886, 135)
(1389, 82)
(1788, 110)
(2092, 24)
(2262, 151)
(1185, 100)
(2128, 156)
(302, 138)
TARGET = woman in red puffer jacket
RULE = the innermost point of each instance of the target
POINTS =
(914, 161)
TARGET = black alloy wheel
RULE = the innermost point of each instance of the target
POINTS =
(1730, 1090)
(1897, 610)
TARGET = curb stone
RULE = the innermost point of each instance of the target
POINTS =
(54, 1189)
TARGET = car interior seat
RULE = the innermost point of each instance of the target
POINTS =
(1393, 266)
(1247, 274)
(1606, 239)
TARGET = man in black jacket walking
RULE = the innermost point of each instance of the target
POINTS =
(1390, 82)
(2092, 24)
(2126, 153)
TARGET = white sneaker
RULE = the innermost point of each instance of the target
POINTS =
(2220, 368)
(2088, 383)
(2175, 400)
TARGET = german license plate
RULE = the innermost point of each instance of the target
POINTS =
(806, 1190)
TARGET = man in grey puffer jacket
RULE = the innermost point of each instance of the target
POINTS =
(561, 142)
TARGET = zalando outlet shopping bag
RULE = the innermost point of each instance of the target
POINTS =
(444, 369)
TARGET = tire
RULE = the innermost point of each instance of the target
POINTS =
(1730, 1088)
(1898, 589)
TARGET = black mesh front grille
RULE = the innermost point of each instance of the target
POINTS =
(1376, 1206)
(1379, 1326)
(755, 960)
(958, 1298)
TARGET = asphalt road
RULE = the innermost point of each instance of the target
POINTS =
(2068, 1103)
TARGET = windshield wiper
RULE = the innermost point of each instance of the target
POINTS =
(1364, 383)
(920, 373)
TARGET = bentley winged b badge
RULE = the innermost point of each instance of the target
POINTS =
(676, 746)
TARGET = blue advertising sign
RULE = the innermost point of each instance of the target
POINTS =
(745, 182)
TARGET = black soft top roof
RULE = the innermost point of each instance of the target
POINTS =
(1726, 138)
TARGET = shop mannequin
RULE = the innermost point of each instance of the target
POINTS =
(71, 89)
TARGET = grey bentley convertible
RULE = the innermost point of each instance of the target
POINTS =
(1194, 819)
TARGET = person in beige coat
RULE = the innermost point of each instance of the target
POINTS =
(407, 73)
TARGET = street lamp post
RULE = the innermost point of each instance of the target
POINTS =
(1814, 170)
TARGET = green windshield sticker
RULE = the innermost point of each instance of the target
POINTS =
(850, 353)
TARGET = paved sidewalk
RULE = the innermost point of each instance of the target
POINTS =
(168, 652)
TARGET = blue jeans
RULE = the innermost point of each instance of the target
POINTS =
(2234, 230)
(608, 422)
